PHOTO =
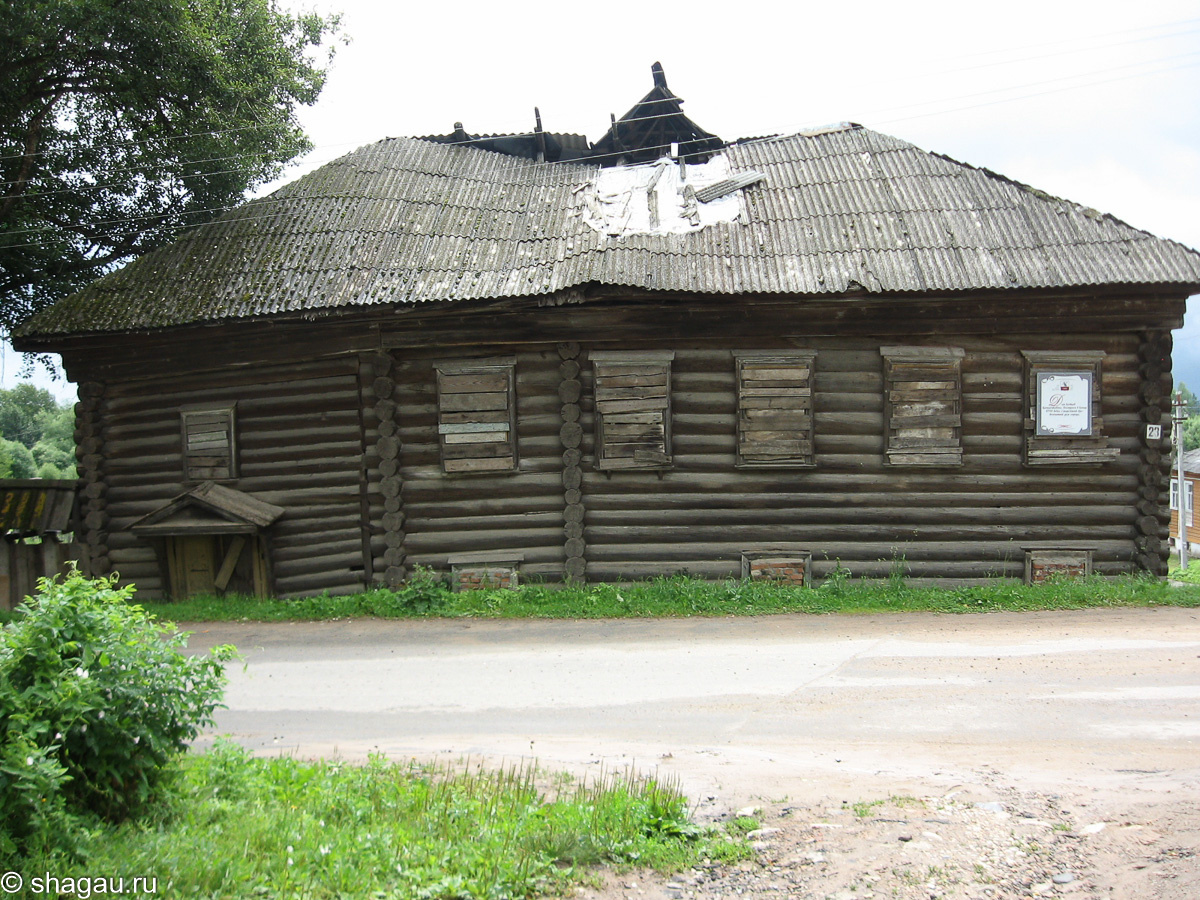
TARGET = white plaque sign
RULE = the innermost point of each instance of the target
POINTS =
(1064, 403)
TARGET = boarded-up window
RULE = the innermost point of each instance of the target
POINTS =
(1063, 393)
(923, 405)
(477, 415)
(209, 444)
(633, 409)
(775, 413)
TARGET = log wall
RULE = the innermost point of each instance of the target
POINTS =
(347, 442)
(965, 522)
(299, 446)
(448, 513)
(852, 508)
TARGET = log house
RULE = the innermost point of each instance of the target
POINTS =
(659, 353)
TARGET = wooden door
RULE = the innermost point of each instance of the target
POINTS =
(193, 566)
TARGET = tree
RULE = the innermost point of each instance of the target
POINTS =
(22, 413)
(37, 435)
(124, 121)
(17, 459)
(54, 451)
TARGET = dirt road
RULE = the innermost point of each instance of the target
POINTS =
(1087, 723)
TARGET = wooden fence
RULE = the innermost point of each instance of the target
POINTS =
(36, 515)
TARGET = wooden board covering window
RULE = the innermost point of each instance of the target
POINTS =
(775, 414)
(1065, 450)
(923, 405)
(477, 415)
(633, 409)
(209, 444)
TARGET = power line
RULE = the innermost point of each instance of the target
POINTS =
(260, 201)
(1167, 35)
(1086, 48)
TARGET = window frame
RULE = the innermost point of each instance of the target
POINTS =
(460, 438)
(748, 403)
(1048, 449)
(191, 458)
(927, 369)
(616, 407)
(1189, 497)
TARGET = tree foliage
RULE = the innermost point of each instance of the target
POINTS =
(123, 121)
(37, 435)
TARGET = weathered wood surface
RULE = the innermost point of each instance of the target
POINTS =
(485, 510)
(327, 447)
(22, 564)
(852, 506)
(299, 447)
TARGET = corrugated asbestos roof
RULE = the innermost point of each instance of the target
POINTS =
(410, 221)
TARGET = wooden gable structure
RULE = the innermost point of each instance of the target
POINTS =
(770, 357)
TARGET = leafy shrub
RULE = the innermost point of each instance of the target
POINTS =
(424, 592)
(95, 699)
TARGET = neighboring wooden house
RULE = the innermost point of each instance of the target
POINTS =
(659, 353)
(1191, 474)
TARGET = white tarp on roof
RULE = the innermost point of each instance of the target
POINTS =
(657, 198)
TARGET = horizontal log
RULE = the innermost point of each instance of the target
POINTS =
(337, 572)
(652, 516)
(152, 397)
(288, 561)
(837, 542)
(789, 492)
(467, 520)
(525, 539)
(538, 560)
(314, 585)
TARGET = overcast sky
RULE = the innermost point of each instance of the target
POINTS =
(1097, 102)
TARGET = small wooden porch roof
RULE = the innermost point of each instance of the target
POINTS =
(209, 508)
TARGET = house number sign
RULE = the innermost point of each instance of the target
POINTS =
(1064, 403)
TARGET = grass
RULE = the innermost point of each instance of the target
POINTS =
(682, 596)
(1189, 576)
(236, 826)
(865, 809)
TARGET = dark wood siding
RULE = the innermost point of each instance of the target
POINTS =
(349, 446)
(971, 521)
(299, 447)
(446, 513)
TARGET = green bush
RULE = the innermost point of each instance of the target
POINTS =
(95, 699)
